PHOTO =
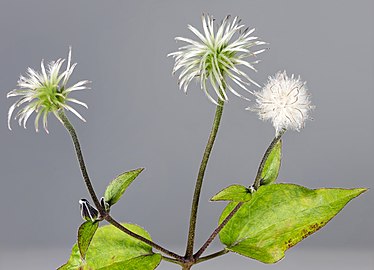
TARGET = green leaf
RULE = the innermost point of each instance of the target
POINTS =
(235, 193)
(278, 217)
(85, 233)
(111, 248)
(138, 263)
(119, 185)
(272, 165)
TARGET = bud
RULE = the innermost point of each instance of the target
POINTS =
(104, 204)
(88, 212)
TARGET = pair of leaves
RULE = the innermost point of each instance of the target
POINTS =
(278, 216)
(268, 175)
(111, 249)
(113, 193)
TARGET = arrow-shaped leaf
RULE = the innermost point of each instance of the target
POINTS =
(278, 217)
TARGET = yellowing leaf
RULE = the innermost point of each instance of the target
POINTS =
(279, 216)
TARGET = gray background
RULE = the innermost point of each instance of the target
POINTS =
(138, 117)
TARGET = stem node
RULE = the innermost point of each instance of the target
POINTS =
(104, 214)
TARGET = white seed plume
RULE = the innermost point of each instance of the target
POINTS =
(45, 92)
(284, 101)
(216, 56)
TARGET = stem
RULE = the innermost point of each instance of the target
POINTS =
(171, 260)
(200, 177)
(78, 151)
(141, 238)
(65, 121)
(212, 256)
(237, 207)
(257, 182)
(217, 230)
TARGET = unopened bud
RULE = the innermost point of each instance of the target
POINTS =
(88, 212)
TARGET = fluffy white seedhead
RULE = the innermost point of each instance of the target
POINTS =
(45, 92)
(215, 57)
(284, 101)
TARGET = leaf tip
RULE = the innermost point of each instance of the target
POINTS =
(213, 199)
(137, 171)
(355, 192)
(361, 190)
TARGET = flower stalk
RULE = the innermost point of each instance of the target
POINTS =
(200, 178)
(65, 121)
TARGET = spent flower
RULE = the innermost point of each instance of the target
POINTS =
(216, 56)
(284, 101)
(45, 92)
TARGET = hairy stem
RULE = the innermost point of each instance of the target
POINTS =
(171, 260)
(65, 121)
(212, 256)
(141, 238)
(256, 185)
(257, 182)
(217, 230)
(200, 177)
(82, 165)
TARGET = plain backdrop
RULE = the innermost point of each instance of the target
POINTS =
(138, 117)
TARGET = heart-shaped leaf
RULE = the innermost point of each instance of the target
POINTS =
(119, 185)
(234, 193)
(278, 217)
(111, 248)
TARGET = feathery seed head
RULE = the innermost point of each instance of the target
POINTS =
(45, 92)
(216, 56)
(284, 101)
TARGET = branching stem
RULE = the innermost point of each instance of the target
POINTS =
(216, 231)
(65, 121)
(212, 256)
(145, 240)
(256, 185)
(171, 260)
